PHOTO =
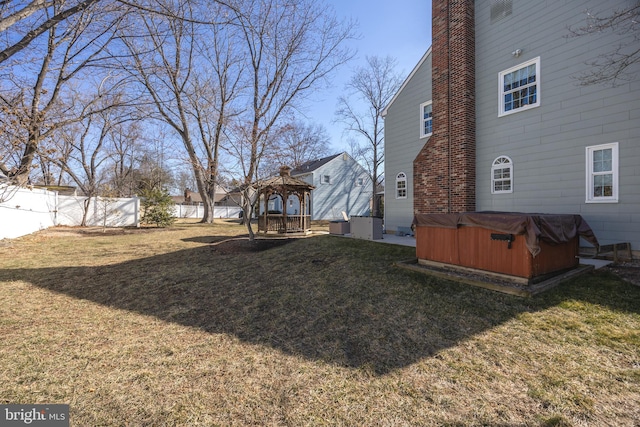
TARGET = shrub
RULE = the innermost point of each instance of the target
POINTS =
(157, 207)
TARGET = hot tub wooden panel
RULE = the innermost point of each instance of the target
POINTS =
(473, 247)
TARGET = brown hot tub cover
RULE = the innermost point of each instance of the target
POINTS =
(551, 228)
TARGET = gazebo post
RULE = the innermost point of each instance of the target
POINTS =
(284, 209)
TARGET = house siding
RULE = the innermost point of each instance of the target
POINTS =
(547, 144)
(402, 132)
(328, 201)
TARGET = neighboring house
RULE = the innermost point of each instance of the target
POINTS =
(512, 130)
(341, 185)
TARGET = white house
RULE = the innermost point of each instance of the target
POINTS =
(341, 185)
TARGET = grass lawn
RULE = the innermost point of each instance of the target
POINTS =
(183, 326)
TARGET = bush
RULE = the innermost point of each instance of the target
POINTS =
(157, 208)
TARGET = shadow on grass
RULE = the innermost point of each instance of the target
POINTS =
(325, 298)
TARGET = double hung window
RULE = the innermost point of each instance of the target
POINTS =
(602, 173)
(519, 87)
(426, 119)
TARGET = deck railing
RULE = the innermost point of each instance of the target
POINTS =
(275, 223)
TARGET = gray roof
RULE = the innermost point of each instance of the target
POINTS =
(312, 165)
(284, 179)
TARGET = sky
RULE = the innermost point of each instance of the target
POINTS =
(401, 29)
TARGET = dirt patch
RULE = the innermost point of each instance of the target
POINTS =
(244, 245)
(628, 271)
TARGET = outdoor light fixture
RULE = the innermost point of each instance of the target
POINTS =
(517, 52)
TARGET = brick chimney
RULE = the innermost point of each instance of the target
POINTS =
(445, 169)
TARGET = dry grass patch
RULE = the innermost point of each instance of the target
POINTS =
(194, 325)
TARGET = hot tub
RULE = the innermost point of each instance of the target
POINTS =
(516, 244)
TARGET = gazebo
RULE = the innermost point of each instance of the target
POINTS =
(279, 212)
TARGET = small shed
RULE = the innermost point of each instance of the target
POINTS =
(292, 212)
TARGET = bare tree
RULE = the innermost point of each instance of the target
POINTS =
(85, 156)
(369, 91)
(291, 47)
(37, 102)
(296, 143)
(614, 67)
(213, 100)
(193, 103)
(125, 147)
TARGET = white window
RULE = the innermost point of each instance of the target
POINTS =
(325, 179)
(602, 173)
(426, 119)
(519, 87)
(502, 175)
(359, 182)
(401, 186)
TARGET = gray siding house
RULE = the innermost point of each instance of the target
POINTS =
(341, 185)
(543, 143)
(407, 129)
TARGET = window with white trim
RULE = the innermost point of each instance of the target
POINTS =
(519, 87)
(401, 186)
(359, 182)
(426, 119)
(325, 179)
(502, 175)
(602, 173)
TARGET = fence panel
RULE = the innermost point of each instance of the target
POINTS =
(25, 211)
(102, 212)
(197, 211)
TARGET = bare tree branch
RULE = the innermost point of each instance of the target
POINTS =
(23, 13)
(369, 91)
(615, 67)
(42, 28)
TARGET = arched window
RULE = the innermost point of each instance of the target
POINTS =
(401, 186)
(502, 175)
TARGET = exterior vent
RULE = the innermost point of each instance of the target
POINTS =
(500, 9)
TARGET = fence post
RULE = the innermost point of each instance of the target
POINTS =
(136, 209)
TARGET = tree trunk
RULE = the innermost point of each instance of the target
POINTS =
(85, 211)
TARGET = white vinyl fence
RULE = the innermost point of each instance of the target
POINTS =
(197, 211)
(102, 212)
(25, 211)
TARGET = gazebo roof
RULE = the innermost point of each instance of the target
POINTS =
(284, 180)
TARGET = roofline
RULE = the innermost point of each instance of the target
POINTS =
(406, 81)
(310, 171)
